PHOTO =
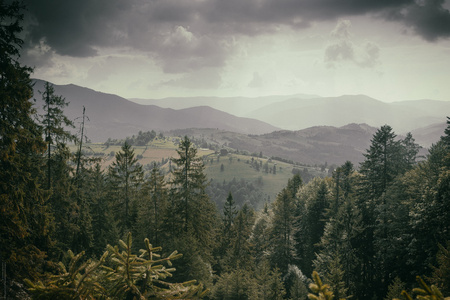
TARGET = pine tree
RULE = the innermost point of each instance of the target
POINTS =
(191, 215)
(395, 289)
(241, 255)
(25, 225)
(229, 215)
(441, 273)
(260, 238)
(384, 161)
(277, 291)
(446, 137)
(54, 122)
(118, 274)
(193, 208)
(335, 278)
(104, 225)
(153, 207)
(282, 230)
(127, 176)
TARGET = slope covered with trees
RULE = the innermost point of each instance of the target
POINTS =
(367, 230)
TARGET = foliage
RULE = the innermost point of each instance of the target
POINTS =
(441, 273)
(395, 289)
(118, 274)
(126, 176)
(425, 292)
(319, 290)
(26, 218)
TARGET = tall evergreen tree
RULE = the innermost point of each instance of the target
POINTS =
(54, 123)
(260, 237)
(386, 159)
(446, 137)
(24, 213)
(383, 162)
(311, 217)
(229, 215)
(153, 208)
(241, 255)
(283, 252)
(193, 208)
(127, 176)
(191, 215)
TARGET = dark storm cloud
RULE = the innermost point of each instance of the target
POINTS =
(428, 18)
(74, 28)
(188, 34)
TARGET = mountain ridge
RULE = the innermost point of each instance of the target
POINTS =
(112, 116)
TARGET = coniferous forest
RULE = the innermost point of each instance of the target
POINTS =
(72, 230)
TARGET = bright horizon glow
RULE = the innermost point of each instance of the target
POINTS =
(178, 55)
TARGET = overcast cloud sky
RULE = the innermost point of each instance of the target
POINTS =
(391, 50)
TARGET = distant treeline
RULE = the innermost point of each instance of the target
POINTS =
(142, 139)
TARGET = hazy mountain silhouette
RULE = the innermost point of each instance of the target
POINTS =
(116, 117)
(298, 112)
(403, 116)
(238, 106)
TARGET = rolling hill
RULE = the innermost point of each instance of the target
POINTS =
(238, 106)
(116, 117)
(405, 116)
(314, 145)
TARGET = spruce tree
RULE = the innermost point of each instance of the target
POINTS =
(241, 255)
(104, 224)
(191, 214)
(384, 161)
(127, 176)
(192, 206)
(54, 123)
(25, 216)
(260, 238)
(282, 230)
(229, 215)
(446, 137)
(152, 208)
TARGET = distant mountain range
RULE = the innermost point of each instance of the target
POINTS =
(297, 112)
(238, 106)
(111, 116)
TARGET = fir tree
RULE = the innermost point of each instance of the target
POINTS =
(229, 215)
(192, 206)
(127, 176)
(104, 225)
(192, 213)
(54, 122)
(26, 220)
(153, 207)
(282, 230)
(395, 289)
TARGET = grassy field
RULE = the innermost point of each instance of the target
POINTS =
(236, 166)
(239, 167)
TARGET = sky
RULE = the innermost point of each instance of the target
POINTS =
(391, 50)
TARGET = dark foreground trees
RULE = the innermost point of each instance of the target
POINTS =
(118, 274)
(25, 225)
(362, 231)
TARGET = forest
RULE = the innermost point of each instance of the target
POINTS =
(72, 230)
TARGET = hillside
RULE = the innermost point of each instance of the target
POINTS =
(239, 106)
(111, 116)
(297, 113)
(315, 145)
(237, 169)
